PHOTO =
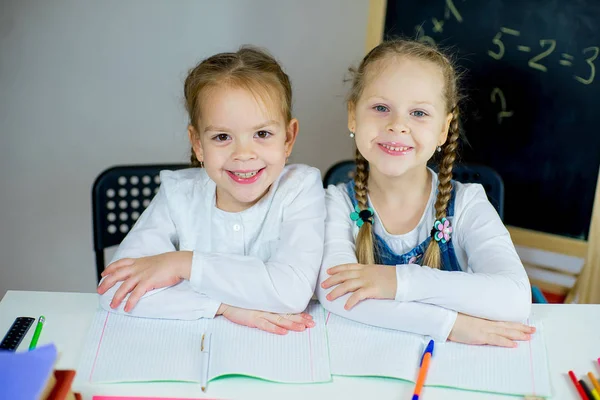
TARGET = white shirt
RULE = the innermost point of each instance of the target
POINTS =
(494, 284)
(266, 257)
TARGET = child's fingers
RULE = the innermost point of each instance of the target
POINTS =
(116, 265)
(121, 274)
(339, 278)
(343, 267)
(268, 326)
(306, 316)
(135, 296)
(510, 333)
(285, 323)
(342, 289)
(300, 320)
(126, 287)
(357, 297)
(500, 341)
(519, 327)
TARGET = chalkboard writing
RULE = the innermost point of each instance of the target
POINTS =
(533, 108)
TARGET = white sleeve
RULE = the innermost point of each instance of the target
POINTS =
(339, 249)
(286, 282)
(179, 301)
(498, 288)
(155, 233)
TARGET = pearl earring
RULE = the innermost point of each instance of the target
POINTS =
(439, 148)
(352, 134)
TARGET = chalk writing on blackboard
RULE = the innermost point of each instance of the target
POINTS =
(498, 95)
(498, 48)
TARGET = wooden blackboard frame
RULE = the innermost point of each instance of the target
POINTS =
(588, 283)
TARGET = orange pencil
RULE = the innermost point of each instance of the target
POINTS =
(594, 381)
(425, 360)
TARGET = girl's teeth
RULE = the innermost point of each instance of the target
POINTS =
(246, 174)
(395, 148)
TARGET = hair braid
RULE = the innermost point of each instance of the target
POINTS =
(364, 241)
(432, 257)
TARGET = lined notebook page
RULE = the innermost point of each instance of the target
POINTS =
(364, 350)
(520, 371)
(127, 349)
(299, 357)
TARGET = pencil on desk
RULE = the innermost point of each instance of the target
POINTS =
(205, 349)
(586, 389)
(577, 386)
(594, 381)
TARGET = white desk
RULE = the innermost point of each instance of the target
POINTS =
(572, 344)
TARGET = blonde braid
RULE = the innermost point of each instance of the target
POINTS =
(432, 257)
(364, 241)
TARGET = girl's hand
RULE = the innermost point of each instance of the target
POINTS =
(266, 321)
(141, 275)
(366, 281)
(473, 330)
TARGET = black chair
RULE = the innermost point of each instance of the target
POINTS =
(119, 195)
(344, 171)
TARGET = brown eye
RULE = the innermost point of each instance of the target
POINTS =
(221, 137)
(263, 134)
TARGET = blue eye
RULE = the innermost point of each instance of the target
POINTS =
(380, 108)
(263, 134)
(221, 137)
(419, 113)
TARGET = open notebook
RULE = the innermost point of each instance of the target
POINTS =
(363, 350)
(126, 349)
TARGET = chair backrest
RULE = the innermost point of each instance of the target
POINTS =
(344, 171)
(488, 178)
(340, 172)
(119, 195)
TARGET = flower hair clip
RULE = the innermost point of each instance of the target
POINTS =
(362, 216)
(442, 230)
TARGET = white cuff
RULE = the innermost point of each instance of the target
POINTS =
(196, 271)
(448, 325)
(402, 279)
(211, 309)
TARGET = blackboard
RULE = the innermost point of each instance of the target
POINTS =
(533, 108)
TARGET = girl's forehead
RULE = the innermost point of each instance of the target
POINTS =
(404, 76)
(231, 102)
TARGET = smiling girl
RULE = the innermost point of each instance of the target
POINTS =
(241, 234)
(407, 248)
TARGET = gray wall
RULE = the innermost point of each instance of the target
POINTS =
(85, 85)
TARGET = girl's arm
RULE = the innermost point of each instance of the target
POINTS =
(498, 288)
(154, 233)
(339, 249)
(286, 282)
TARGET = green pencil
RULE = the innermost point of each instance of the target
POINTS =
(36, 334)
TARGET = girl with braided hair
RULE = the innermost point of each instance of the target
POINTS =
(406, 248)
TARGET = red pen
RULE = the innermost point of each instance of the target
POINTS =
(578, 386)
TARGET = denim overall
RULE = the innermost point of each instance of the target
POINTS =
(386, 256)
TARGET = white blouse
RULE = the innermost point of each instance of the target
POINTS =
(266, 257)
(493, 284)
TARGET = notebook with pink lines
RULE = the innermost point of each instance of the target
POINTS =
(128, 349)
